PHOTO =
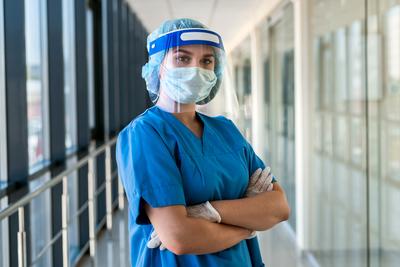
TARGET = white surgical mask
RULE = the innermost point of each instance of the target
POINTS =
(188, 84)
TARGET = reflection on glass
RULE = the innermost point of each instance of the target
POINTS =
(387, 165)
(40, 224)
(242, 72)
(34, 49)
(278, 63)
(73, 227)
(90, 65)
(340, 71)
(69, 73)
(339, 236)
(356, 68)
(4, 237)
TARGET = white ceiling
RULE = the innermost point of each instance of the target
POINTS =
(233, 19)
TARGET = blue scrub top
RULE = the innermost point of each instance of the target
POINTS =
(163, 162)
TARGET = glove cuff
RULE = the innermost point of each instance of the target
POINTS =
(214, 211)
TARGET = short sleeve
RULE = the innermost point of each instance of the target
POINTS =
(253, 161)
(148, 170)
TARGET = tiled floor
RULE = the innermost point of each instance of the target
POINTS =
(112, 248)
(277, 246)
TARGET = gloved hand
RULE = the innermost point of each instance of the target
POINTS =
(252, 235)
(155, 241)
(204, 211)
(260, 181)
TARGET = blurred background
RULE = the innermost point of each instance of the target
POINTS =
(317, 93)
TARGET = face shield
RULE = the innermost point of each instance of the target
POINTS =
(191, 71)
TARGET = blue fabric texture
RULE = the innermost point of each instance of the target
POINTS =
(151, 70)
(162, 162)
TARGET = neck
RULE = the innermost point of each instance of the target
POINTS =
(185, 112)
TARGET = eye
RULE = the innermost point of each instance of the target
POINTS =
(182, 59)
(207, 61)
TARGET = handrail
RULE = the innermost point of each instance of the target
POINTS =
(7, 212)
(89, 159)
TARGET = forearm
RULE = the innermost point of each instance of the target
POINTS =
(260, 212)
(198, 236)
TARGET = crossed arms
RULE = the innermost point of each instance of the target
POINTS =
(182, 234)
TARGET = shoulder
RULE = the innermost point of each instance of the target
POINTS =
(148, 128)
(143, 123)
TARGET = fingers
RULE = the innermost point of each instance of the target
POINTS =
(154, 241)
(264, 180)
(255, 176)
(153, 234)
(267, 181)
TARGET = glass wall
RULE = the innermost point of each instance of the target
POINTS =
(36, 80)
(241, 61)
(40, 225)
(73, 227)
(4, 236)
(68, 27)
(384, 130)
(339, 149)
(279, 102)
(3, 140)
(90, 65)
(4, 252)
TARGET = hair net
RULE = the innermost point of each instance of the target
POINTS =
(150, 71)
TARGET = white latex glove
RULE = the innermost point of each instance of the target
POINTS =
(252, 235)
(260, 181)
(155, 241)
(204, 211)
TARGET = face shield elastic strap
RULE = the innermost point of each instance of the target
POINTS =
(185, 37)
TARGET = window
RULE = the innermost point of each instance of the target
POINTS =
(68, 25)
(36, 81)
(242, 63)
(73, 224)
(90, 66)
(280, 104)
(4, 237)
(3, 150)
(3, 139)
(40, 224)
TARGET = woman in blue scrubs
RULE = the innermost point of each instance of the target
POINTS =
(197, 192)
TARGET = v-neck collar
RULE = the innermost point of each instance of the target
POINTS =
(187, 129)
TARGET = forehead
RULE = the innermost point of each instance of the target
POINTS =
(198, 49)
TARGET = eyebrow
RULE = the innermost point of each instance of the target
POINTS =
(178, 50)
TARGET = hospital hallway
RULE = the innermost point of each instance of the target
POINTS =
(93, 100)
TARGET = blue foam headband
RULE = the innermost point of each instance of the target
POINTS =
(185, 37)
